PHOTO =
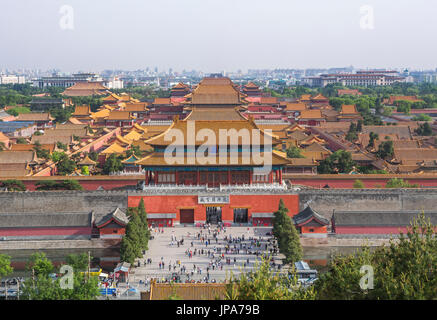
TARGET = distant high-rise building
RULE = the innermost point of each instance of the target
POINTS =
(360, 78)
(12, 79)
(114, 83)
(66, 81)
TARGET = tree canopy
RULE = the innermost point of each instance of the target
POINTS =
(404, 270)
(112, 164)
(424, 129)
(338, 162)
(264, 284)
(13, 185)
(137, 234)
(5, 265)
(41, 286)
(286, 235)
(294, 152)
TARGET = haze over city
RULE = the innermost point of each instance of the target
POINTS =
(214, 36)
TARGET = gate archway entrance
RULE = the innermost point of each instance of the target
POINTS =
(241, 215)
(186, 215)
(213, 215)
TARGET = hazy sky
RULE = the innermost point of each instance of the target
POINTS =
(217, 35)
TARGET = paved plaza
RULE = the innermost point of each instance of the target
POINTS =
(161, 249)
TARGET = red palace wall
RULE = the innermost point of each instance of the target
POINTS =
(112, 231)
(23, 232)
(315, 229)
(254, 203)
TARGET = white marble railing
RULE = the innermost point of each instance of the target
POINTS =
(222, 188)
(255, 186)
(128, 173)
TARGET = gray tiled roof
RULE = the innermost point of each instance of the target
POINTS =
(117, 214)
(35, 220)
(307, 214)
(379, 218)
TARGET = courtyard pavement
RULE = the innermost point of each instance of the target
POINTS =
(161, 249)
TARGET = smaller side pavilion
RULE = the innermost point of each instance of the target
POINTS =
(121, 271)
(311, 224)
(113, 225)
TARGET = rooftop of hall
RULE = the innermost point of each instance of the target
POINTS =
(218, 127)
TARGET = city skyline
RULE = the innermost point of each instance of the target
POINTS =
(218, 36)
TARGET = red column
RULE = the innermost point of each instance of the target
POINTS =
(271, 177)
(156, 177)
(147, 177)
(176, 179)
(280, 175)
(250, 177)
(198, 177)
(229, 176)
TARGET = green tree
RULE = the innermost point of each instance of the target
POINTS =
(85, 170)
(342, 280)
(278, 220)
(13, 185)
(79, 262)
(294, 152)
(12, 112)
(360, 126)
(40, 152)
(57, 156)
(372, 137)
(53, 185)
(286, 235)
(46, 185)
(385, 149)
(40, 264)
(358, 184)
(263, 284)
(93, 155)
(133, 240)
(353, 131)
(404, 106)
(399, 183)
(128, 251)
(43, 287)
(61, 145)
(387, 111)
(5, 265)
(61, 115)
(424, 129)
(404, 270)
(144, 225)
(338, 162)
(137, 234)
(422, 117)
(70, 185)
(21, 141)
(134, 150)
(65, 165)
(112, 164)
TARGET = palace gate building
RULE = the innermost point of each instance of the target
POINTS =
(214, 166)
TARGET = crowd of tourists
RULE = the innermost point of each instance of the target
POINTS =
(222, 249)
